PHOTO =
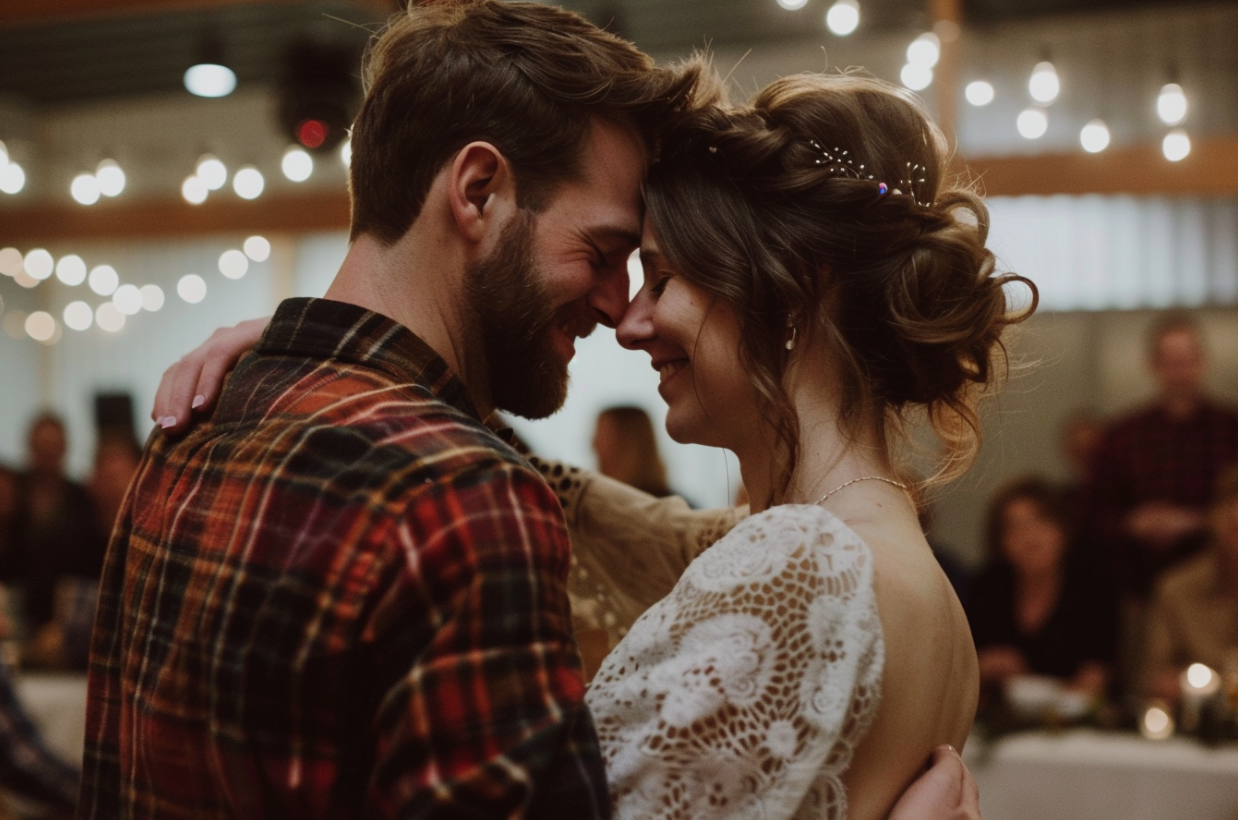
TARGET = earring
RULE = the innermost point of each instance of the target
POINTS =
(791, 341)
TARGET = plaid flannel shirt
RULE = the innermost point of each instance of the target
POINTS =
(343, 596)
(1148, 456)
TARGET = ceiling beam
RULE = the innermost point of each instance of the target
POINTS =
(168, 219)
(1210, 170)
(19, 12)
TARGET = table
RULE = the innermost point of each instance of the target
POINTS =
(56, 703)
(1084, 774)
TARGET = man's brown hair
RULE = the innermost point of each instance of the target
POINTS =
(523, 76)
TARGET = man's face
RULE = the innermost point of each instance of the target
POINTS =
(552, 277)
(1178, 362)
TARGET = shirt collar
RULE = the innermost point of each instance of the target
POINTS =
(326, 329)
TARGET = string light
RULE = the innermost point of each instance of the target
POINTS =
(128, 300)
(152, 297)
(979, 93)
(211, 171)
(233, 264)
(110, 178)
(104, 280)
(257, 248)
(1044, 84)
(925, 50)
(78, 316)
(1094, 137)
(109, 318)
(1033, 123)
(792, 5)
(843, 18)
(40, 326)
(297, 165)
(191, 288)
(39, 264)
(916, 77)
(85, 189)
(71, 270)
(1171, 104)
(1176, 146)
(248, 182)
(12, 178)
(10, 261)
(194, 190)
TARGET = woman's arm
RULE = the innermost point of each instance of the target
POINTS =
(192, 384)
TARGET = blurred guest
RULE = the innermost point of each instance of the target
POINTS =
(1155, 469)
(1153, 476)
(1079, 441)
(56, 534)
(1032, 610)
(10, 504)
(116, 459)
(627, 450)
(1194, 613)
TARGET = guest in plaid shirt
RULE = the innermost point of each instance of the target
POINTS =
(344, 595)
(1155, 469)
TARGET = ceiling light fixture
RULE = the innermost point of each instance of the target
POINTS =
(979, 93)
(1095, 136)
(1033, 123)
(1171, 104)
(110, 177)
(1044, 84)
(209, 77)
(1176, 145)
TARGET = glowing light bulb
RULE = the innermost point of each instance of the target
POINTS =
(85, 189)
(916, 77)
(211, 171)
(71, 270)
(10, 261)
(257, 248)
(194, 190)
(78, 316)
(248, 182)
(979, 93)
(152, 297)
(233, 264)
(1171, 104)
(1176, 145)
(104, 280)
(12, 178)
(792, 5)
(110, 177)
(210, 80)
(1033, 123)
(191, 288)
(1044, 85)
(297, 165)
(1094, 137)
(108, 318)
(843, 17)
(39, 264)
(40, 326)
(925, 50)
(128, 300)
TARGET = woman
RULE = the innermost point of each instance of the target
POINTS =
(801, 301)
(1033, 611)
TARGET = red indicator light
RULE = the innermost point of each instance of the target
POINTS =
(312, 133)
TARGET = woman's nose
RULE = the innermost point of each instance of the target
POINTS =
(636, 327)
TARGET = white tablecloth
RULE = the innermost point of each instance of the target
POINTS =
(56, 704)
(1089, 775)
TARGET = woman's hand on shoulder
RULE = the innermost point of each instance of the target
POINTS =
(945, 792)
(193, 383)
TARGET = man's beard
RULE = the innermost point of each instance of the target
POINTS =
(514, 319)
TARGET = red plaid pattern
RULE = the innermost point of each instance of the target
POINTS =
(1149, 456)
(343, 596)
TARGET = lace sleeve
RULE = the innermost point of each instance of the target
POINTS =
(744, 692)
(628, 548)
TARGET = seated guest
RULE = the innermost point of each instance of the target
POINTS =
(1194, 614)
(1032, 610)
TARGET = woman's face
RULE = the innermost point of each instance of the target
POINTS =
(692, 339)
(1031, 541)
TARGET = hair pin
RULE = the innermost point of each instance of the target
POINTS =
(838, 162)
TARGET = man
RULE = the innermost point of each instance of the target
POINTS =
(1145, 506)
(344, 595)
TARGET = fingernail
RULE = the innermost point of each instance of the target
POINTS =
(198, 401)
(167, 421)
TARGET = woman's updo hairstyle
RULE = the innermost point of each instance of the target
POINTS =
(759, 206)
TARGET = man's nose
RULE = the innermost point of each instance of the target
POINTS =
(609, 297)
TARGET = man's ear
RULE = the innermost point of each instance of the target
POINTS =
(481, 189)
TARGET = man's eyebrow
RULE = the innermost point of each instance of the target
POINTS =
(612, 232)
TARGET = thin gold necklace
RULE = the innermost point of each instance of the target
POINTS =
(898, 484)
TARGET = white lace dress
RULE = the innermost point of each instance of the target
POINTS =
(744, 692)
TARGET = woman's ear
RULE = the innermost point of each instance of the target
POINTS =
(481, 190)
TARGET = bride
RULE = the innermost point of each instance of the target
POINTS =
(811, 284)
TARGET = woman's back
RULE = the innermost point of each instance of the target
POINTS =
(930, 683)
